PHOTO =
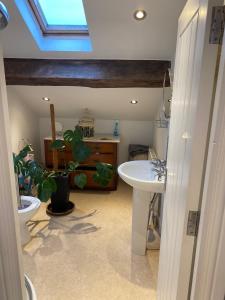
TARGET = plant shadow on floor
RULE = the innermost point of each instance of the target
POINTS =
(64, 223)
(76, 218)
(49, 231)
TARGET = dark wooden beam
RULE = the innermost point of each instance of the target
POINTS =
(89, 73)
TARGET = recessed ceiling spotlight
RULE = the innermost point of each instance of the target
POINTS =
(46, 99)
(133, 101)
(140, 15)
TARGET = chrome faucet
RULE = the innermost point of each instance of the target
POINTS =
(159, 168)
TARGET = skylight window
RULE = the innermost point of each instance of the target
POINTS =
(60, 16)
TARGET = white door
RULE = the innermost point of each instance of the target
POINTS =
(209, 269)
(188, 139)
(11, 271)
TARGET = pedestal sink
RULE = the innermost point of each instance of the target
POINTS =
(144, 180)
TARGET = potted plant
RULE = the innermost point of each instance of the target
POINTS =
(32, 178)
(36, 184)
(60, 199)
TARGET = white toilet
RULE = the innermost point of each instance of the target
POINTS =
(31, 205)
(30, 291)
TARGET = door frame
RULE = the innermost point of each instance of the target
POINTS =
(200, 153)
(12, 284)
(173, 281)
(212, 223)
(209, 271)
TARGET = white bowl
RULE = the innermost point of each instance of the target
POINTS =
(140, 175)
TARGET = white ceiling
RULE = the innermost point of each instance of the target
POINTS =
(107, 104)
(115, 35)
(114, 32)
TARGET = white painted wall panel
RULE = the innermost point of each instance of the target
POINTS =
(11, 271)
(104, 103)
(24, 123)
(187, 144)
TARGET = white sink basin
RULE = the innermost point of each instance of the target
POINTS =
(140, 175)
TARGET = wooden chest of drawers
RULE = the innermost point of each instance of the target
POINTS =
(100, 152)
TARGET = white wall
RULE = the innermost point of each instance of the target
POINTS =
(160, 134)
(136, 124)
(103, 103)
(30, 114)
(106, 105)
(24, 124)
(160, 141)
(131, 132)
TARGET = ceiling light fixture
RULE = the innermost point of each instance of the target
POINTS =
(140, 15)
(133, 101)
(46, 99)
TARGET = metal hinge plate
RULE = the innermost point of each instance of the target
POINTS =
(193, 222)
(217, 25)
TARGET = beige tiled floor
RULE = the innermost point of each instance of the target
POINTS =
(87, 255)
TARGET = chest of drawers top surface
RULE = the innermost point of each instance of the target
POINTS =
(98, 138)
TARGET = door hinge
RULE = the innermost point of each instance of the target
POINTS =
(193, 222)
(217, 25)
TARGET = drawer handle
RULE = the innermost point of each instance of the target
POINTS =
(97, 153)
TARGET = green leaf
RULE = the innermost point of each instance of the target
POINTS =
(45, 190)
(104, 173)
(52, 184)
(43, 195)
(77, 135)
(72, 166)
(33, 174)
(18, 160)
(58, 145)
(80, 151)
(24, 152)
(51, 174)
(80, 180)
(18, 165)
(68, 136)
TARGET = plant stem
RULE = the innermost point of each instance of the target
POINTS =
(19, 202)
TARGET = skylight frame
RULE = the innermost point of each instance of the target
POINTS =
(55, 29)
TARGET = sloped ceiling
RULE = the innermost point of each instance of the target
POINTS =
(106, 104)
(115, 34)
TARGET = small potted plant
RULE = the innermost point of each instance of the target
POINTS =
(35, 184)
(60, 203)
(32, 178)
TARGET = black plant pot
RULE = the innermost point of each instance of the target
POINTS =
(60, 204)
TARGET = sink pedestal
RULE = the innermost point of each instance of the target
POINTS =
(140, 214)
(141, 175)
